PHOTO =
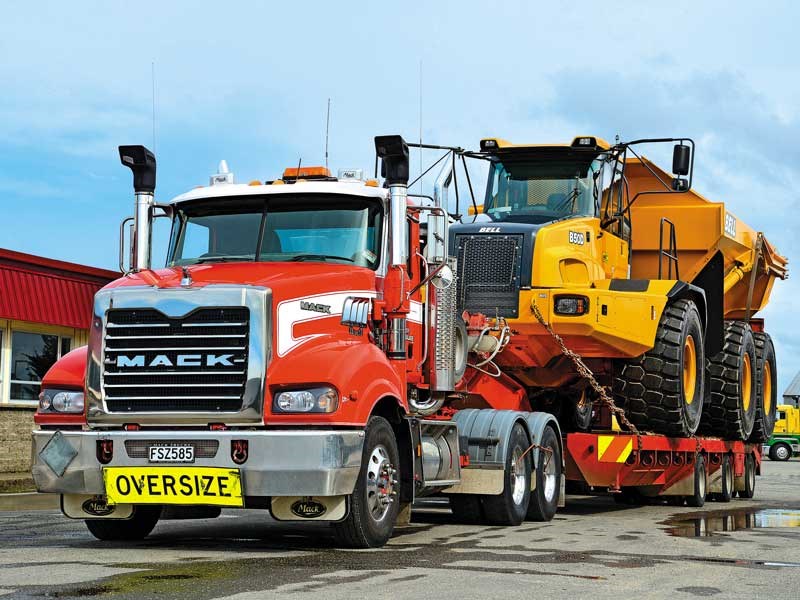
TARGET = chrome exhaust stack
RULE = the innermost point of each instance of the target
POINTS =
(142, 163)
(393, 152)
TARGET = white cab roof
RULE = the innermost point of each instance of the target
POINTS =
(351, 188)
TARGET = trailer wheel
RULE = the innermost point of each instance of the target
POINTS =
(730, 407)
(780, 451)
(726, 472)
(698, 499)
(545, 496)
(749, 477)
(373, 503)
(466, 508)
(662, 390)
(138, 527)
(766, 388)
(510, 507)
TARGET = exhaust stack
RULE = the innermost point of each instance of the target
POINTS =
(142, 163)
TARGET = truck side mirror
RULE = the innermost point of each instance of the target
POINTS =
(681, 159)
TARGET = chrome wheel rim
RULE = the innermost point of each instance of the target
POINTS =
(729, 478)
(380, 483)
(517, 476)
(701, 482)
(549, 478)
(782, 452)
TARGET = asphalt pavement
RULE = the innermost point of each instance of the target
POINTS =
(593, 548)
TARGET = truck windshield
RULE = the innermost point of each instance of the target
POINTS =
(540, 191)
(291, 228)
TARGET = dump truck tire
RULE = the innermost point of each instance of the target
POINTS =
(766, 388)
(730, 406)
(662, 391)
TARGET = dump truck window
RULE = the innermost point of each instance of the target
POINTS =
(540, 191)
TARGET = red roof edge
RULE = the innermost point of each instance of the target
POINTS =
(22, 259)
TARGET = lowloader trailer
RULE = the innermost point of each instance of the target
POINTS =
(313, 348)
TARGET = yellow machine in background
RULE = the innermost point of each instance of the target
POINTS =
(652, 284)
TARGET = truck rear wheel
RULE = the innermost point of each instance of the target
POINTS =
(730, 409)
(749, 477)
(138, 527)
(545, 496)
(698, 499)
(373, 503)
(662, 390)
(726, 475)
(766, 388)
(510, 507)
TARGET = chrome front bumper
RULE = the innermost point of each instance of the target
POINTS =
(280, 463)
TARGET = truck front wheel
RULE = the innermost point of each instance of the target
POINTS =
(780, 451)
(138, 527)
(373, 504)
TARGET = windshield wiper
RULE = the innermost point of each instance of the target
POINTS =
(322, 257)
(224, 258)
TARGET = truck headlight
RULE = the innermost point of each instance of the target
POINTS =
(314, 400)
(571, 305)
(64, 401)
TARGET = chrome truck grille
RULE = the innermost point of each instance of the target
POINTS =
(157, 363)
(489, 269)
(179, 356)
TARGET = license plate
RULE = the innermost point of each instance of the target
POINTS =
(171, 453)
(216, 486)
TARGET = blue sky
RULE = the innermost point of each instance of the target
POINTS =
(248, 82)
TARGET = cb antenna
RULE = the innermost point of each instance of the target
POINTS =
(327, 130)
(420, 125)
(153, 82)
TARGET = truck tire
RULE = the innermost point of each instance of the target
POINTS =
(730, 407)
(726, 472)
(780, 451)
(466, 508)
(576, 411)
(766, 388)
(373, 503)
(510, 507)
(662, 390)
(749, 477)
(698, 499)
(138, 527)
(545, 496)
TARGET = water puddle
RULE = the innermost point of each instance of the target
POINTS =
(725, 521)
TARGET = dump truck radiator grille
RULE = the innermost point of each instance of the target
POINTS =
(193, 363)
(489, 273)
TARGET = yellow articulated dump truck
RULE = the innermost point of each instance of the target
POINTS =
(592, 249)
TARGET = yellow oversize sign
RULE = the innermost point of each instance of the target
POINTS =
(173, 485)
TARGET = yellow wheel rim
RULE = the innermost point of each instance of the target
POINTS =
(689, 369)
(767, 389)
(747, 382)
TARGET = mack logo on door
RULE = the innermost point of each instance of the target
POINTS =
(181, 360)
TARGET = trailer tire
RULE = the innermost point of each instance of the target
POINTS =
(138, 527)
(698, 499)
(780, 451)
(766, 388)
(749, 477)
(370, 522)
(511, 506)
(466, 508)
(662, 390)
(545, 496)
(730, 403)
(726, 472)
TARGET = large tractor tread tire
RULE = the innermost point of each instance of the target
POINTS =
(766, 388)
(727, 413)
(651, 387)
